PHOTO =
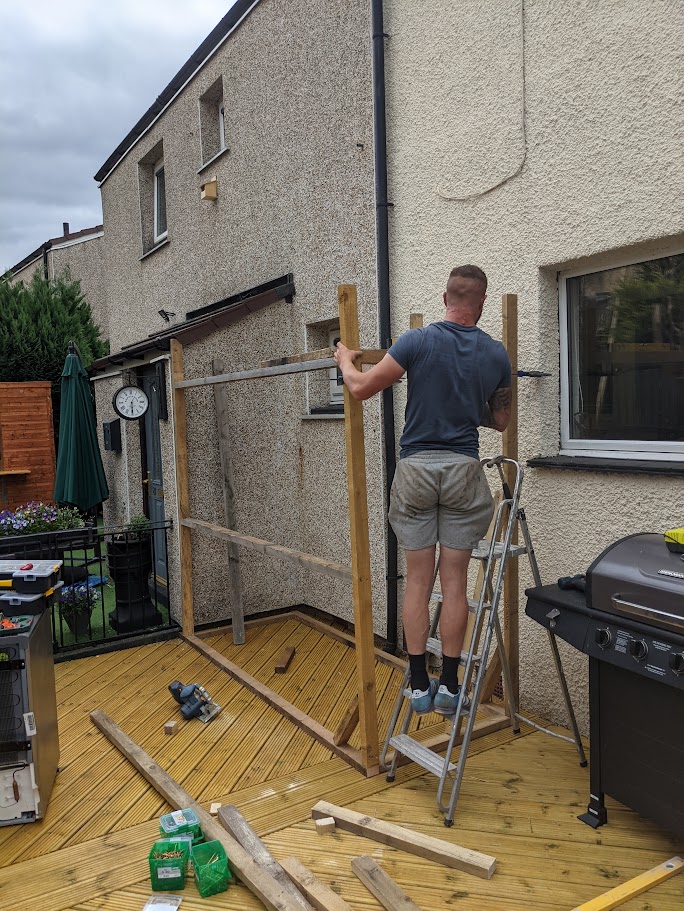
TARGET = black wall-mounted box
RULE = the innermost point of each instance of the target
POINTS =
(111, 431)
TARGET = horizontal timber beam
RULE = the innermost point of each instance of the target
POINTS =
(276, 701)
(368, 356)
(308, 561)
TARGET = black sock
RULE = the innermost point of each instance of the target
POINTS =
(449, 677)
(419, 674)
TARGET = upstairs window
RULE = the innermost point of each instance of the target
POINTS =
(212, 115)
(622, 360)
(160, 231)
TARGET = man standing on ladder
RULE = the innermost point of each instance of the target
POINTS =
(459, 378)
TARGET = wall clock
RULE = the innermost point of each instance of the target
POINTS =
(130, 403)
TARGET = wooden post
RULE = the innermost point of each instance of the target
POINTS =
(415, 320)
(510, 450)
(360, 545)
(180, 439)
(237, 609)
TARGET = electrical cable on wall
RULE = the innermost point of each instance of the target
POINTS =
(449, 196)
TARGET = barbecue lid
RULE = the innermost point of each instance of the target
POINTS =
(639, 577)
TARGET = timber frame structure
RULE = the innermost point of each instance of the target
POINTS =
(363, 710)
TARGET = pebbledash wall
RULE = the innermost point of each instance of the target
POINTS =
(295, 195)
(592, 146)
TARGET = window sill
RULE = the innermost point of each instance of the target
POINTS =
(212, 160)
(609, 466)
(334, 416)
(162, 243)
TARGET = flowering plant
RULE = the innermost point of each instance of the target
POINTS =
(32, 518)
(79, 598)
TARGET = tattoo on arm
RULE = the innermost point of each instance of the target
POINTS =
(500, 400)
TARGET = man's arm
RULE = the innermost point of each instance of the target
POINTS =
(362, 386)
(498, 409)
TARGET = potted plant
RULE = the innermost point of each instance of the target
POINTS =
(76, 605)
(19, 527)
(129, 557)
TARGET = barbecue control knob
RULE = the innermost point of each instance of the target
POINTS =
(677, 663)
(638, 649)
(603, 637)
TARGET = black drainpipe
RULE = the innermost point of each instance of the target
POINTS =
(46, 271)
(382, 246)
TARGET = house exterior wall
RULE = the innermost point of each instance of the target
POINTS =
(599, 175)
(295, 194)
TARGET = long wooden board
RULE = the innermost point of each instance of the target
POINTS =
(258, 373)
(360, 545)
(319, 894)
(368, 356)
(301, 719)
(235, 823)
(257, 880)
(316, 564)
(633, 887)
(387, 833)
(382, 886)
(222, 411)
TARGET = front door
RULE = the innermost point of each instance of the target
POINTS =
(153, 479)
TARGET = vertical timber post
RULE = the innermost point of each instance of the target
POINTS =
(415, 320)
(360, 545)
(180, 439)
(510, 450)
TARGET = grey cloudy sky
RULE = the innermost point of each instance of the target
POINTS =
(75, 76)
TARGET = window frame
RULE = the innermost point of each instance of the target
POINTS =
(336, 390)
(156, 236)
(616, 449)
(221, 126)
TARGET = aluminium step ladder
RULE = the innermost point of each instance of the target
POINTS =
(494, 555)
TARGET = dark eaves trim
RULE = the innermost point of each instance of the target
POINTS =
(230, 22)
(229, 311)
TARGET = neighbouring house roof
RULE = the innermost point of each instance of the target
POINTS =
(54, 243)
(232, 20)
(200, 323)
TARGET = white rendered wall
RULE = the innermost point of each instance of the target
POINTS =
(597, 173)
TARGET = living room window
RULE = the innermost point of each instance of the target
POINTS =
(622, 360)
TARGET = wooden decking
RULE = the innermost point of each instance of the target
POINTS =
(519, 801)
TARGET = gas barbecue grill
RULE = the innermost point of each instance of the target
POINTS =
(630, 622)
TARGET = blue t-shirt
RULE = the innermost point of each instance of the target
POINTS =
(453, 371)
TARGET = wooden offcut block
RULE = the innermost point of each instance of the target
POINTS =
(171, 728)
(285, 659)
(214, 808)
(325, 826)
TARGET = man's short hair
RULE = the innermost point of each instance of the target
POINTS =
(470, 272)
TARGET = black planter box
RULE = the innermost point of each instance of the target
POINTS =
(130, 564)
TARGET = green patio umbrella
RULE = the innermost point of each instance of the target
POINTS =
(80, 479)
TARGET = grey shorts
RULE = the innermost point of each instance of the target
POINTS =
(440, 496)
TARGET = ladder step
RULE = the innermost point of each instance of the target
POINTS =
(481, 552)
(472, 605)
(434, 647)
(430, 761)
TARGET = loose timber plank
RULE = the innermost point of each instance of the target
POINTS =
(301, 719)
(329, 630)
(625, 891)
(368, 356)
(319, 894)
(180, 439)
(235, 823)
(360, 545)
(442, 852)
(510, 450)
(316, 564)
(382, 886)
(260, 882)
(222, 411)
(258, 373)
(285, 659)
(348, 724)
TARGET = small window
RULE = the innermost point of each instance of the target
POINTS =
(335, 374)
(622, 360)
(160, 231)
(212, 115)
